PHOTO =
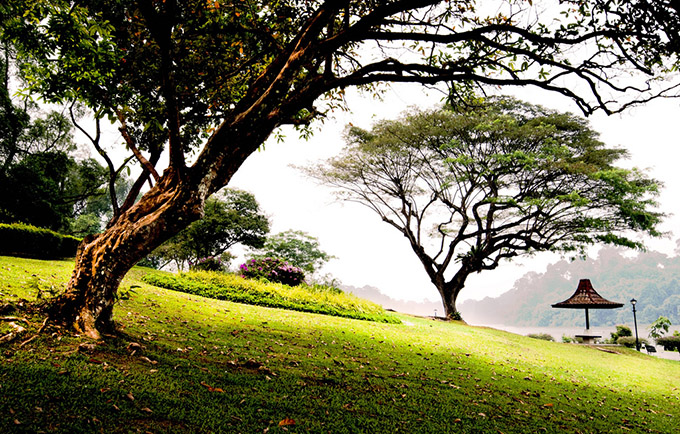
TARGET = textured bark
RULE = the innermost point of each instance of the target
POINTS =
(449, 290)
(103, 260)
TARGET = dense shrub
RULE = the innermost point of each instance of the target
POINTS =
(629, 341)
(235, 288)
(20, 239)
(542, 336)
(669, 343)
(273, 269)
(621, 331)
(211, 263)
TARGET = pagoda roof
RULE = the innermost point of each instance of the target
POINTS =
(586, 297)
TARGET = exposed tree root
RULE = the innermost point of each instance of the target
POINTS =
(13, 318)
(18, 330)
(31, 339)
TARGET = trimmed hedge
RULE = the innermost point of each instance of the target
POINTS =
(541, 336)
(629, 341)
(19, 239)
(222, 286)
(669, 343)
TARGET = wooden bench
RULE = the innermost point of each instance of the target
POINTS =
(650, 348)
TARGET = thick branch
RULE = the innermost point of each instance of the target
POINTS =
(146, 164)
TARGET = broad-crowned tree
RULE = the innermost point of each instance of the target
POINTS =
(298, 248)
(212, 81)
(469, 188)
(231, 217)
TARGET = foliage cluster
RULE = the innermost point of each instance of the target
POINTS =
(20, 239)
(659, 327)
(542, 336)
(276, 270)
(223, 286)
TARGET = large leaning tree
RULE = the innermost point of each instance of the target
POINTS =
(196, 86)
(472, 187)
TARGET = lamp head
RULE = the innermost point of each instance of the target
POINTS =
(633, 301)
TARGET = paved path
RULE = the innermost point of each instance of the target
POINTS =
(671, 355)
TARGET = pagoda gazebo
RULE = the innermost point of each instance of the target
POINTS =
(587, 298)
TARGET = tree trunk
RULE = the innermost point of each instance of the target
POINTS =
(103, 260)
(449, 290)
(449, 296)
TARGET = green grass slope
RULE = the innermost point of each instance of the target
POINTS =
(189, 364)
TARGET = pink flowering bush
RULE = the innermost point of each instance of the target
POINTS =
(272, 269)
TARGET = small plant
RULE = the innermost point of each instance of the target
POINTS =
(541, 336)
(272, 269)
(567, 339)
(659, 327)
(125, 293)
(456, 316)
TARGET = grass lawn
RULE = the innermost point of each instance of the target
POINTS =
(189, 364)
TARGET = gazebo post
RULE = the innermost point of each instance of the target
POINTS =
(587, 320)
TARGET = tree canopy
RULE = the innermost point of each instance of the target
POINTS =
(208, 82)
(469, 188)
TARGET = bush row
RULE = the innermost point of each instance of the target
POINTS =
(629, 341)
(229, 287)
(669, 343)
(24, 240)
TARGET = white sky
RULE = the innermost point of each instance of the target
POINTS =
(369, 252)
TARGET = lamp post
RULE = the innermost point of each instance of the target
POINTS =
(637, 342)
